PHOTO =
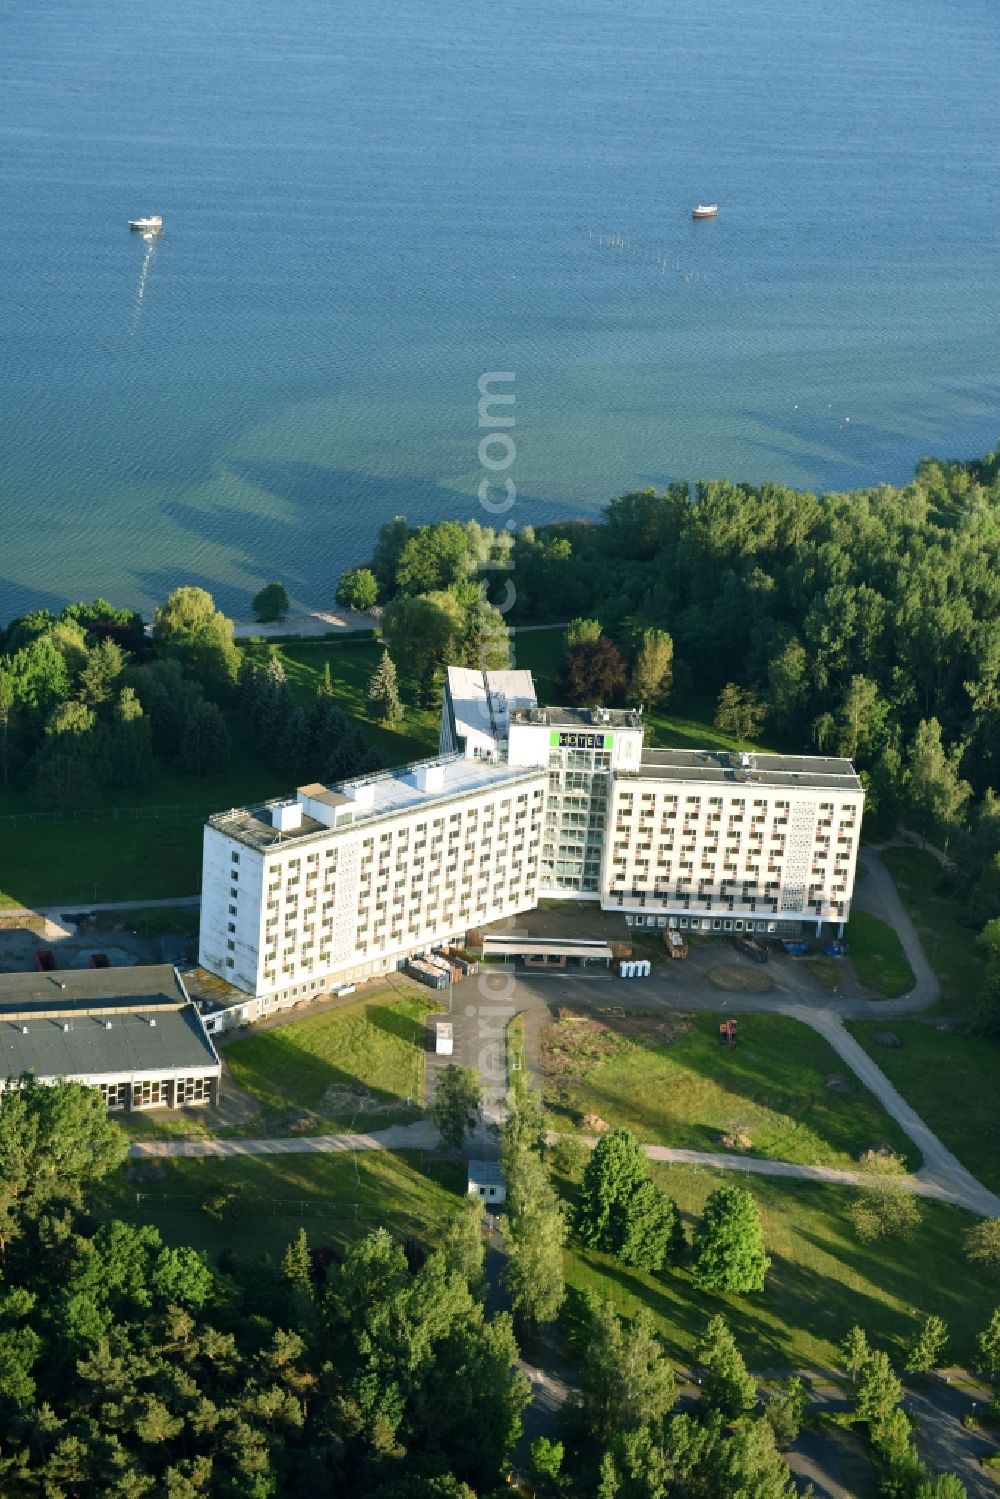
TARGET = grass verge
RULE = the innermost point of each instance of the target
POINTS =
(877, 956)
(939, 920)
(821, 1281)
(352, 1068)
(951, 1081)
(668, 1079)
(336, 1198)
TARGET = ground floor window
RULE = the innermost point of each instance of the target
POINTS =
(147, 1093)
(115, 1095)
(192, 1090)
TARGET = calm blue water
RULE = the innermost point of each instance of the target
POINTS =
(368, 204)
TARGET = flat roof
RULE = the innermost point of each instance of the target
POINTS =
(829, 772)
(392, 791)
(89, 1048)
(553, 947)
(579, 718)
(65, 990)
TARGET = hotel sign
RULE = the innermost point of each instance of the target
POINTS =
(581, 741)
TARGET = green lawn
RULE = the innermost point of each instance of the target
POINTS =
(877, 956)
(949, 943)
(352, 1068)
(687, 1090)
(107, 857)
(153, 921)
(951, 1080)
(336, 1198)
(820, 1283)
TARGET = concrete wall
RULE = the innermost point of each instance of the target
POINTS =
(232, 955)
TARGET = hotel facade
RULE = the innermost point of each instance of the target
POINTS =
(522, 803)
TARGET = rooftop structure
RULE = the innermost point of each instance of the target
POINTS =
(477, 706)
(579, 718)
(316, 809)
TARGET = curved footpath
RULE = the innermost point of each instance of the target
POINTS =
(942, 1176)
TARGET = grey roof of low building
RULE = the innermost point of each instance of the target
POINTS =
(68, 989)
(830, 772)
(99, 1022)
(89, 1046)
(485, 1173)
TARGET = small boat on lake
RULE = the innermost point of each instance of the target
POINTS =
(705, 211)
(151, 224)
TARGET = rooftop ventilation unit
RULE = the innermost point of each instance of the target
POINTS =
(429, 777)
(107, 1025)
(287, 816)
(152, 1020)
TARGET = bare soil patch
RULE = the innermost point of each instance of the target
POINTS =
(740, 980)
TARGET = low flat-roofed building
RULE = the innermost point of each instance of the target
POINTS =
(131, 1032)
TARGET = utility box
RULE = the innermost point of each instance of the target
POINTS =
(444, 1038)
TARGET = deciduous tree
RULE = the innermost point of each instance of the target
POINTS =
(728, 1252)
(454, 1110)
(739, 712)
(627, 1379)
(652, 672)
(878, 1390)
(982, 1244)
(593, 674)
(358, 589)
(271, 603)
(55, 1140)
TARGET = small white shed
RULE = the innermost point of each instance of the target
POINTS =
(444, 1038)
(486, 1181)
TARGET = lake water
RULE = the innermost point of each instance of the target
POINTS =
(368, 204)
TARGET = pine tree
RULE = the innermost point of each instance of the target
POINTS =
(383, 692)
(927, 1346)
(296, 1264)
(879, 1390)
(854, 1350)
(206, 747)
(325, 688)
(726, 1385)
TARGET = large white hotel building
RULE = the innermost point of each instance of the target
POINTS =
(337, 884)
